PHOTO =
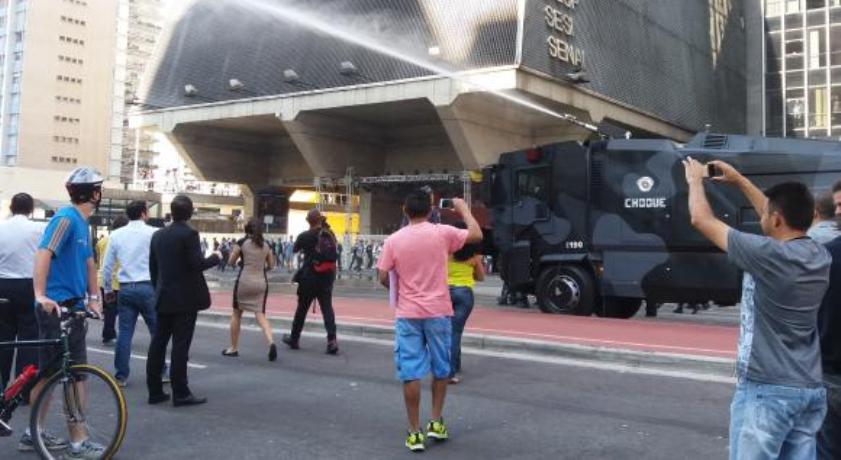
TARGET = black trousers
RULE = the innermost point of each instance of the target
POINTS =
(829, 437)
(180, 327)
(309, 290)
(109, 314)
(17, 322)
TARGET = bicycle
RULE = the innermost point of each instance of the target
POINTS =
(89, 394)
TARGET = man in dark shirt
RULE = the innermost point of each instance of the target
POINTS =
(313, 285)
(829, 327)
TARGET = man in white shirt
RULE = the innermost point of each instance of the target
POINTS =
(129, 246)
(19, 238)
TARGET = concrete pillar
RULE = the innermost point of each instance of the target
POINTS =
(480, 130)
(249, 210)
(331, 144)
(365, 201)
(479, 138)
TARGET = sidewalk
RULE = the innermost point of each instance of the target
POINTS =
(638, 342)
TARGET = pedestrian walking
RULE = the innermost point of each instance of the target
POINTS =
(288, 247)
(825, 226)
(464, 268)
(315, 280)
(109, 303)
(176, 267)
(20, 238)
(780, 402)
(128, 247)
(252, 285)
(369, 253)
(829, 326)
(417, 255)
(225, 250)
(65, 270)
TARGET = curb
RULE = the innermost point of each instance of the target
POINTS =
(722, 368)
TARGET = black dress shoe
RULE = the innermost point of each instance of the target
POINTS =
(272, 352)
(157, 399)
(332, 348)
(191, 400)
(290, 342)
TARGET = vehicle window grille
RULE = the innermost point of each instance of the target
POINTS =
(715, 141)
(596, 178)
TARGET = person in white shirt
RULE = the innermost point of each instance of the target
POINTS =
(129, 246)
(19, 238)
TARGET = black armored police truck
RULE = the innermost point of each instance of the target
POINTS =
(601, 227)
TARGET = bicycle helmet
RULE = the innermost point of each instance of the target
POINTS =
(82, 183)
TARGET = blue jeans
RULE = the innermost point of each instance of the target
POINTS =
(134, 300)
(422, 346)
(775, 422)
(462, 298)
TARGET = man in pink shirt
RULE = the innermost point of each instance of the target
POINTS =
(418, 254)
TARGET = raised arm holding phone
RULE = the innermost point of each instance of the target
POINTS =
(786, 275)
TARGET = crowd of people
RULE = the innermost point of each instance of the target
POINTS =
(362, 256)
(787, 402)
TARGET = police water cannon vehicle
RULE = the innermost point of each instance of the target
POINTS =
(600, 227)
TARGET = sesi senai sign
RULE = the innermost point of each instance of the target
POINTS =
(559, 16)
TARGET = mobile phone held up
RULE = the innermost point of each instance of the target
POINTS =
(714, 171)
(446, 203)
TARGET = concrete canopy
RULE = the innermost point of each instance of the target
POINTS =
(426, 124)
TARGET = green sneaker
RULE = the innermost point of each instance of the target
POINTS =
(415, 442)
(436, 430)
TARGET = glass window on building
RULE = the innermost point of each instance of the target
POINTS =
(794, 6)
(11, 145)
(814, 4)
(835, 45)
(774, 113)
(835, 106)
(818, 111)
(774, 7)
(795, 113)
(774, 52)
(817, 48)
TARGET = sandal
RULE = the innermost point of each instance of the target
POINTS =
(231, 354)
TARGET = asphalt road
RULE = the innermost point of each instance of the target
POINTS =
(311, 406)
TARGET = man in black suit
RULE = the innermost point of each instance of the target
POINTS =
(176, 265)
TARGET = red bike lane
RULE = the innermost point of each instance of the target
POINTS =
(634, 334)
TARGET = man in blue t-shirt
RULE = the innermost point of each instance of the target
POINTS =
(65, 271)
(780, 400)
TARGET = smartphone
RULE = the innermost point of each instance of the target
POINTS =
(446, 203)
(713, 171)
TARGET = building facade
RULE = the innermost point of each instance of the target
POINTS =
(57, 58)
(802, 68)
(302, 94)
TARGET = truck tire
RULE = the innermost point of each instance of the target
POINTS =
(566, 289)
(620, 307)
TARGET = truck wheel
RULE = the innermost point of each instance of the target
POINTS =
(566, 289)
(620, 307)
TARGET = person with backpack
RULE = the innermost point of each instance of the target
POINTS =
(315, 279)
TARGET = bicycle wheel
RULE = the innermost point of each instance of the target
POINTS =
(88, 404)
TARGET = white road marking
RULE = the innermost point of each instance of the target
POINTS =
(615, 367)
(141, 357)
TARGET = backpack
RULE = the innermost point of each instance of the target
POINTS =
(326, 253)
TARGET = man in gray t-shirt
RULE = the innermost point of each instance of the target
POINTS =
(780, 402)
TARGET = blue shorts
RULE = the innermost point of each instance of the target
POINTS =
(422, 346)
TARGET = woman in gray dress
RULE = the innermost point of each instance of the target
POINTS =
(252, 286)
